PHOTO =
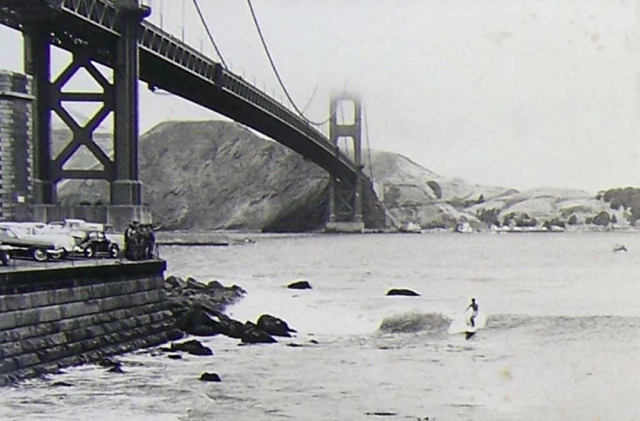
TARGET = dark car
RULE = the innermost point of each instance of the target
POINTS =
(5, 254)
(29, 246)
(95, 243)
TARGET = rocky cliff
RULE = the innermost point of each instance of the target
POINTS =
(215, 175)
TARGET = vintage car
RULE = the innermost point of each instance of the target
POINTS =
(42, 232)
(74, 226)
(5, 254)
(96, 243)
(30, 246)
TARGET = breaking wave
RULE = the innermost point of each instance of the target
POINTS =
(436, 323)
(415, 322)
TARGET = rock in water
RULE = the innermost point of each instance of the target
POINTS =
(116, 369)
(192, 347)
(402, 291)
(274, 326)
(299, 285)
(108, 362)
(62, 384)
(230, 327)
(210, 377)
(252, 334)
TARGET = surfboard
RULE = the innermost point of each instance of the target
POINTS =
(462, 324)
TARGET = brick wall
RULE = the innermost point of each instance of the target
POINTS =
(55, 318)
(16, 146)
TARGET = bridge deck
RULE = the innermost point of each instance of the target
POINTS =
(91, 26)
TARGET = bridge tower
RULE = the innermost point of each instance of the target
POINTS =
(119, 97)
(345, 200)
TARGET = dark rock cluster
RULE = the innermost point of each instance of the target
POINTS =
(189, 299)
(198, 309)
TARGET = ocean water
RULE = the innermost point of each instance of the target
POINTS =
(560, 341)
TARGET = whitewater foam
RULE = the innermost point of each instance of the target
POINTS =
(413, 322)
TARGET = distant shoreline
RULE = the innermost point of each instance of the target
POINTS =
(228, 238)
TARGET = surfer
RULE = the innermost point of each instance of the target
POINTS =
(474, 307)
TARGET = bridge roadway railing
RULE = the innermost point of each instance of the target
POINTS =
(154, 40)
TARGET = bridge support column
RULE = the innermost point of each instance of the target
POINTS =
(37, 63)
(126, 189)
(345, 201)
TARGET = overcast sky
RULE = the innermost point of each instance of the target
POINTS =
(515, 93)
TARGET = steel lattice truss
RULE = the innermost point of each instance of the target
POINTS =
(344, 202)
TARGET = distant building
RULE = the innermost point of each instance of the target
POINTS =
(16, 146)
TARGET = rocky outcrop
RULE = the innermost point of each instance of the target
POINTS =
(191, 302)
(198, 310)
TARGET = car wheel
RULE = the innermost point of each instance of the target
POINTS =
(39, 255)
(114, 250)
(89, 252)
(60, 255)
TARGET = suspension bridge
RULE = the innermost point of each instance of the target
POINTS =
(118, 34)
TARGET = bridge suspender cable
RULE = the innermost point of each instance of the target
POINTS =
(366, 135)
(310, 99)
(206, 27)
(275, 70)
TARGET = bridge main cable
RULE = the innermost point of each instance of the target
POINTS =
(275, 71)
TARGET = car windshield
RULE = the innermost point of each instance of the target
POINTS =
(6, 232)
(96, 235)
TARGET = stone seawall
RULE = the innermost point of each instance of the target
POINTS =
(56, 317)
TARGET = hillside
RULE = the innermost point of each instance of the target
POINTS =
(416, 198)
(220, 175)
(215, 175)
